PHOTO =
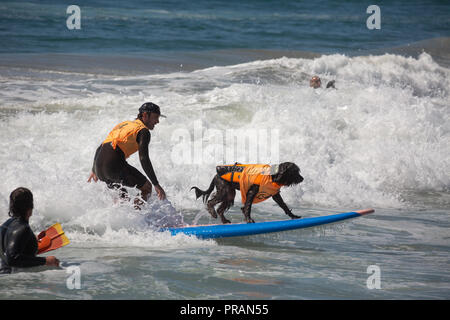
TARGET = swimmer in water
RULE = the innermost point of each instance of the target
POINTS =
(315, 83)
(18, 244)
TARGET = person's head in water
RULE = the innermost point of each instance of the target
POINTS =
(315, 82)
(330, 84)
(149, 114)
(21, 203)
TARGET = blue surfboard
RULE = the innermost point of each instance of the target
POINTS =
(246, 229)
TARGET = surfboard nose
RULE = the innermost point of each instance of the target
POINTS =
(365, 211)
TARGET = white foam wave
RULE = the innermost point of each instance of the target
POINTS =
(385, 130)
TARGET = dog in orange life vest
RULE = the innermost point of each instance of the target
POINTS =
(257, 182)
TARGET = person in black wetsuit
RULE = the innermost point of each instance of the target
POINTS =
(315, 83)
(128, 137)
(18, 244)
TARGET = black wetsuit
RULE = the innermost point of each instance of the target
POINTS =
(18, 246)
(111, 167)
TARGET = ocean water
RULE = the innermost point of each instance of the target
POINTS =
(233, 80)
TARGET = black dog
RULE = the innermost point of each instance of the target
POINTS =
(284, 174)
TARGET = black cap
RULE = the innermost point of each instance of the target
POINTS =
(150, 107)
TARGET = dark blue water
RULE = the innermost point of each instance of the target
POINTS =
(161, 26)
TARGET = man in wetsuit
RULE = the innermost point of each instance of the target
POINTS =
(18, 244)
(125, 139)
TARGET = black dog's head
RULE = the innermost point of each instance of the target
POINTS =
(288, 174)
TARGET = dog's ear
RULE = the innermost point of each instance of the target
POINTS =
(287, 168)
(284, 167)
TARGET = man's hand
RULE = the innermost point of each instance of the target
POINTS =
(51, 261)
(160, 192)
(93, 176)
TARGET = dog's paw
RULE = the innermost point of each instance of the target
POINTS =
(295, 217)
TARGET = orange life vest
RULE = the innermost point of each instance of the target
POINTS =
(249, 174)
(124, 135)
